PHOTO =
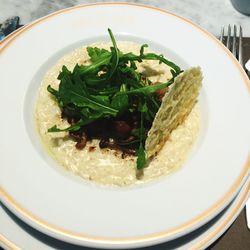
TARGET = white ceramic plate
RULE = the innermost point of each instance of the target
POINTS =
(66, 207)
(17, 235)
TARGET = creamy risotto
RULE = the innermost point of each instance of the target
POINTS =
(106, 166)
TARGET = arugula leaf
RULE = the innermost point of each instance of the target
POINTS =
(52, 91)
(115, 55)
(104, 91)
(75, 93)
(150, 56)
(120, 102)
(130, 73)
(140, 153)
(141, 157)
(72, 128)
(147, 90)
(64, 72)
(95, 66)
(142, 49)
(95, 53)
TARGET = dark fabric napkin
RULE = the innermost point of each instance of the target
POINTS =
(8, 26)
(237, 237)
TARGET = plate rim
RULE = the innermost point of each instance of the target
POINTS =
(213, 210)
(8, 243)
(207, 240)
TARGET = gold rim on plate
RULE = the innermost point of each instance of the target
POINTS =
(8, 243)
(12, 34)
(198, 245)
(109, 240)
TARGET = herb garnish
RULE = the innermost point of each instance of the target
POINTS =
(110, 87)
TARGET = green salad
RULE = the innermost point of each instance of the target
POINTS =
(110, 100)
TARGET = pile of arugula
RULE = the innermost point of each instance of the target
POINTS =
(108, 87)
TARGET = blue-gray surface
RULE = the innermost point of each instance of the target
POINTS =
(8, 26)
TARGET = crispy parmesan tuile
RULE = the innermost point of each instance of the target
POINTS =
(176, 106)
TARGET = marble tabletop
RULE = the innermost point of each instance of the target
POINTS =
(209, 14)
